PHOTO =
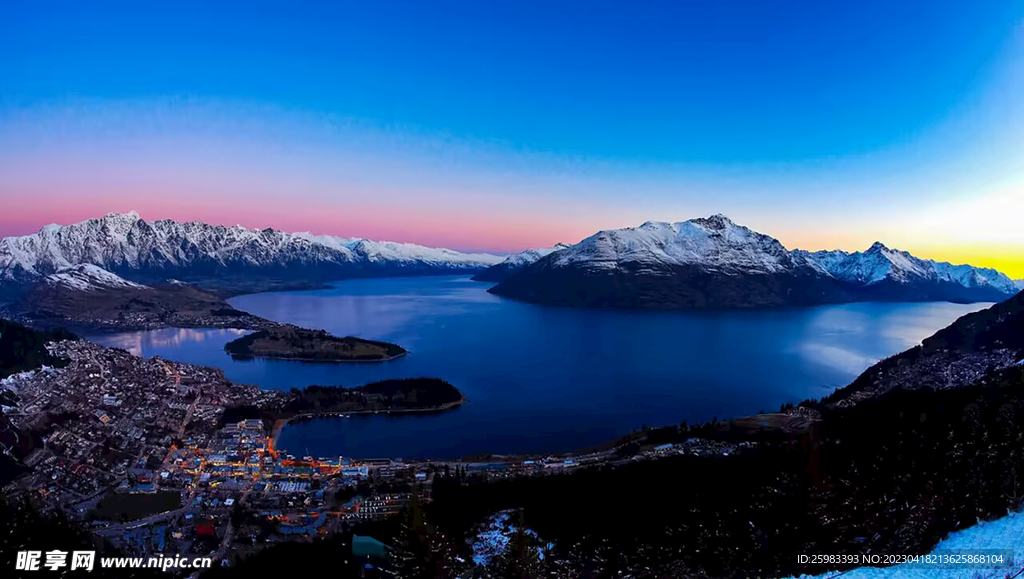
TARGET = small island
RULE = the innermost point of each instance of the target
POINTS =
(395, 395)
(294, 343)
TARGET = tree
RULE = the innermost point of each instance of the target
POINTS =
(421, 551)
(521, 558)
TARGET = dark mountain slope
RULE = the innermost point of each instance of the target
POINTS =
(955, 356)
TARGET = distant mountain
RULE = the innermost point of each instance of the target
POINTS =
(1019, 283)
(714, 263)
(146, 251)
(516, 262)
(88, 297)
(888, 274)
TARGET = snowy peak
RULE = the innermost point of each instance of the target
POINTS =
(529, 256)
(717, 222)
(880, 264)
(410, 252)
(715, 242)
(516, 262)
(127, 245)
(87, 277)
(132, 215)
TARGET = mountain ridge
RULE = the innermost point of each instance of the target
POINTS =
(712, 262)
(144, 251)
(516, 262)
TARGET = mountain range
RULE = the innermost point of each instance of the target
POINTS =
(701, 263)
(216, 256)
(714, 263)
(516, 262)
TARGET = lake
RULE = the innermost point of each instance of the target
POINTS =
(543, 379)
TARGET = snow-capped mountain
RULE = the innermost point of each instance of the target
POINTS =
(144, 251)
(714, 263)
(701, 263)
(88, 277)
(516, 262)
(1019, 283)
(880, 266)
(712, 242)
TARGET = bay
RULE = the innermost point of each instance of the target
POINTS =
(543, 379)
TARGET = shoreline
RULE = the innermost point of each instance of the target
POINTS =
(244, 358)
(280, 423)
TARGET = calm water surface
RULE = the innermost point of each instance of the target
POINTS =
(542, 379)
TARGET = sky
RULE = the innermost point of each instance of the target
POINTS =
(499, 126)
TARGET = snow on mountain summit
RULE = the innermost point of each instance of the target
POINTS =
(516, 262)
(88, 277)
(126, 244)
(713, 242)
(881, 264)
(529, 256)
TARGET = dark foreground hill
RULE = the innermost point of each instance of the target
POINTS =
(955, 356)
(21, 349)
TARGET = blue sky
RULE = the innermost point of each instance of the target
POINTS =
(493, 116)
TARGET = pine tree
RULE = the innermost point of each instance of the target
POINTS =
(421, 551)
(521, 558)
(410, 550)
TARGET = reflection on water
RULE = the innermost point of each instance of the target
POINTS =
(542, 379)
(140, 342)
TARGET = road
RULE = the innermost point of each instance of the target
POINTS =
(116, 529)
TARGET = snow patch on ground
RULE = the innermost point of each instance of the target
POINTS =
(494, 535)
(11, 382)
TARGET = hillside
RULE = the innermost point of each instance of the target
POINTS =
(958, 355)
(86, 296)
(22, 348)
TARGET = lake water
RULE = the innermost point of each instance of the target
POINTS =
(541, 379)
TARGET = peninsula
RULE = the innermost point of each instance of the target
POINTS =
(294, 343)
(394, 396)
